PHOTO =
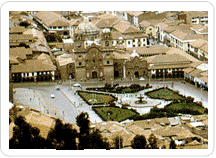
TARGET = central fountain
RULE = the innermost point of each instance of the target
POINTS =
(141, 101)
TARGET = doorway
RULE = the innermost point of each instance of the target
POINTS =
(94, 74)
(136, 74)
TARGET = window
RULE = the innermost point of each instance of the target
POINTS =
(133, 40)
(108, 62)
(93, 61)
(107, 43)
(107, 55)
(54, 27)
(80, 63)
(80, 56)
(128, 42)
(79, 45)
(134, 45)
(60, 27)
(150, 29)
(128, 73)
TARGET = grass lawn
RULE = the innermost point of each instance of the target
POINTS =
(186, 108)
(115, 114)
(96, 98)
(164, 94)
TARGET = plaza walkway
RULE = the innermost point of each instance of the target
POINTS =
(35, 99)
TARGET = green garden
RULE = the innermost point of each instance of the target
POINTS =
(164, 93)
(114, 113)
(95, 98)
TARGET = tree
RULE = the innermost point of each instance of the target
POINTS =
(118, 141)
(112, 104)
(139, 142)
(83, 122)
(189, 99)
(96, 141)
(107, 86)
(25, 136)
(62, 137)
(172, 144)
(153, 141)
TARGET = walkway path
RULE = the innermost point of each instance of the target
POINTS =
(79, 103)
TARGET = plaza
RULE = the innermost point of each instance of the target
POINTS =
(67, 104)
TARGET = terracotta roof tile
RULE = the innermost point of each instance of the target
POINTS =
(15, 30)
(157, 49)
(107, 23)
(169, 58)
(50, 18)
(20, 52)
(124, 27)
(32, 66)
(198, 43)
(135, 13)
(20, 37)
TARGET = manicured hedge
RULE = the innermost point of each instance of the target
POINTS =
(120, 89)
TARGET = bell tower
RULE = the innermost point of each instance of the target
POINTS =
(106, 39)
(78, 41)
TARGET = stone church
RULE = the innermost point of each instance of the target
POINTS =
(96, 57)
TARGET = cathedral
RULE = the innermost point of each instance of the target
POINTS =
(96, 57)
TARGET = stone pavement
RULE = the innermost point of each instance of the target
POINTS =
(35, 99)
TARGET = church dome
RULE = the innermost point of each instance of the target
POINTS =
(86, 27)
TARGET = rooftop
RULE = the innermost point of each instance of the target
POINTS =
(51, 19)
(124, 27)
(33, 66)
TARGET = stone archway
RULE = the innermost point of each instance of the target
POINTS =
(94, 74)
(116, 74)
(136, 74)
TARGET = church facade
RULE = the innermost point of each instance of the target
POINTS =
(96, 57)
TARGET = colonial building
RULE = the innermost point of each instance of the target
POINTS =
(194, 17)
(53, 23)
(40, 69)
(199, 49)
(66, 66)
(136, 67)
(197, 73)
(167, 66)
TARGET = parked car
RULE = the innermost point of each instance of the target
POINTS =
(77, 85)
(57, 88)
(52, 96)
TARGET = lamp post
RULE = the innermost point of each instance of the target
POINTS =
(108, 116)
